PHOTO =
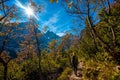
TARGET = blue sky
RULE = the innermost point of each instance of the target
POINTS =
(53, 16)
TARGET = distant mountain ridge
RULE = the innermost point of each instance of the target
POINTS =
(13, 44)
(48, 37)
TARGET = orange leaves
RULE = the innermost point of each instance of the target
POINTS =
(1, 34)
(70, 4)
(54, 1)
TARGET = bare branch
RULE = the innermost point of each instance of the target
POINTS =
(3, 1)
(7, 13)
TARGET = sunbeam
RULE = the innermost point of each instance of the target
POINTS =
(27, 9)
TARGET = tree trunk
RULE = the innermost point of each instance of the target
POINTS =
(38, 49)
(90, 25)
(5, 71)
(96, 35)
(94, 40)
(114, 37)
(109, 8)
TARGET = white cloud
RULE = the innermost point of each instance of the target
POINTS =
(50, 23)
(52, 28)
(52, 20)
(61, 34)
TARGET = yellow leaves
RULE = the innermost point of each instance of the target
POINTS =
(12, 24)
(9, 24)
(5, 56)
(1, 34)
(70, 4)
(66, 37)
(34, 6)
(26, 42)
(54, 1)
(15, 24)
(22, 45)
(52, 44)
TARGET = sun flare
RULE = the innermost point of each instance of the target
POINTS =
(29, 12)
(27, 9)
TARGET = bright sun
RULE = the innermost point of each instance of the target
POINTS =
(27, 9)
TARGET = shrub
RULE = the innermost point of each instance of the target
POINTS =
(65, 73)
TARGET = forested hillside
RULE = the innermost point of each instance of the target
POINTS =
(79, 41)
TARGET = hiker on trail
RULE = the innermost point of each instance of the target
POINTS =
(74, 63)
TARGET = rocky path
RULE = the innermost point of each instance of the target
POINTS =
(79, 73)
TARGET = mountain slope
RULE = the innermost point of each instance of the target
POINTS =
(17, 36)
